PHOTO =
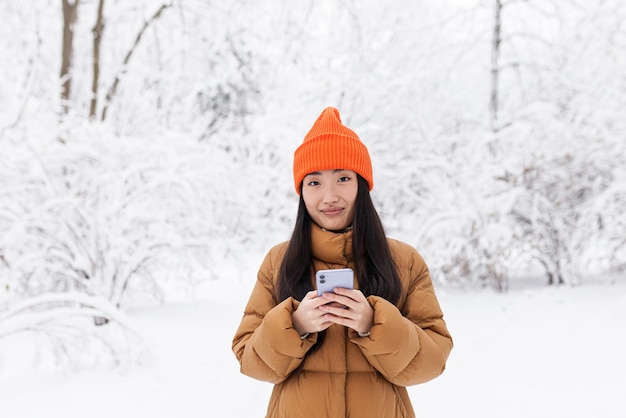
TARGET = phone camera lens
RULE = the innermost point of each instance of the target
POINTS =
(322, 277)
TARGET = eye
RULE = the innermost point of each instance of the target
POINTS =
(313, 183)
(343, 179)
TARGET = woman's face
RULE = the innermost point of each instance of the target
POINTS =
(329, 197)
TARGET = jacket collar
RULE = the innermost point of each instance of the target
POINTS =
(331, 247)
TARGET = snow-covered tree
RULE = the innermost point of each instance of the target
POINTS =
(157, 146)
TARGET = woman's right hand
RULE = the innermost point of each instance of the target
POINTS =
(308, 318)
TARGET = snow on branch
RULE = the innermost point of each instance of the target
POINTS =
(60, 319)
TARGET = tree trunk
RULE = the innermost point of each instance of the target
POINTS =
(495, 58)
(69, 19)
(97, 39)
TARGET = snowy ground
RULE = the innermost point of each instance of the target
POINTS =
(541, 352)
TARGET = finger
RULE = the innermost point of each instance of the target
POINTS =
(338, 311)
(336, 305)
(339, 320)
(319, 301)
(358, 323)
(354, 294)
(344, 300)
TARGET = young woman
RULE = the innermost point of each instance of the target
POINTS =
(351, 352)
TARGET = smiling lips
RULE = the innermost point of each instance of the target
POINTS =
(332, 211)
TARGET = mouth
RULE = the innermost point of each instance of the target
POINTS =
(332, 211)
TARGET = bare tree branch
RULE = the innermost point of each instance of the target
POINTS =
(129, 54)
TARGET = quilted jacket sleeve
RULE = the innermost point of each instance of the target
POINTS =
(266, 344)
(408, 345)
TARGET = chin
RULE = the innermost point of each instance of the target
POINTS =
(335, 227)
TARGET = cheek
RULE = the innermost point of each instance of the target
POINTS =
(309, 203)
(351, 198)
(310, 209)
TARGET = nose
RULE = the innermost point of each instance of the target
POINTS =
(330, 194)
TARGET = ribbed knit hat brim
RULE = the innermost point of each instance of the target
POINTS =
(330, 145)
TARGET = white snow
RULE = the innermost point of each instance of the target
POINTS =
(530, 352)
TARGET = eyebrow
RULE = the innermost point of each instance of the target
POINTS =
(317, 173)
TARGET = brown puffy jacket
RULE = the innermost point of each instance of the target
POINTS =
(348, 376)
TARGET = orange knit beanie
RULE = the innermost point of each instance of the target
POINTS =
(330, 145)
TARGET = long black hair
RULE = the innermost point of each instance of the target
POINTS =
(374, 266)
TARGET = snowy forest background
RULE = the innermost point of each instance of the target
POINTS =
(146, 146)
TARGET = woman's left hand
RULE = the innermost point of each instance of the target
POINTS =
(357, 312)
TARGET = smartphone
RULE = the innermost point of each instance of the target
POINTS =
(327, 280)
